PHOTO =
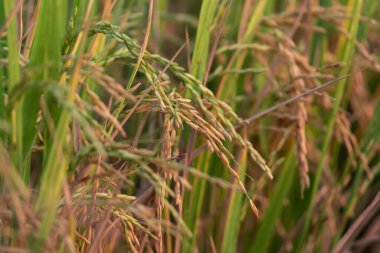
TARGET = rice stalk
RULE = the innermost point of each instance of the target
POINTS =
(346, 55)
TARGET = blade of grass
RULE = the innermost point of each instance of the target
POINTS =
(202, 40)
(235, 203)
(233, 218)
(2, 55)
(198, 68)
(13, 78)
(46, 62)
(45, 65)
(272, 213)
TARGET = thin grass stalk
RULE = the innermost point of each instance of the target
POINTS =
(138, 63)
(226, 88)
(30, 36)
(368, 144)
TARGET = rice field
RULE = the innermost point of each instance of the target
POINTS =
(189, 126)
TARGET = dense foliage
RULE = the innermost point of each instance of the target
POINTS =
(189, 126)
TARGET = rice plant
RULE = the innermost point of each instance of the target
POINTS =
(189, 126)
